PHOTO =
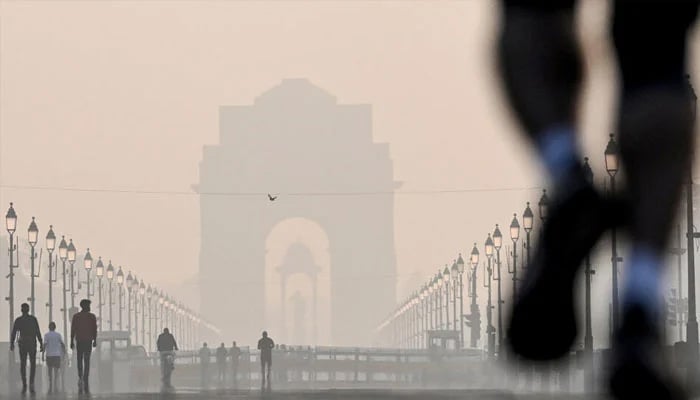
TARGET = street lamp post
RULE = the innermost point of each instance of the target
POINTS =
(99, 271)
(50, 246)
(415, 306)
(166, 306)
(475, 333)
(110, 278)
(438, 283)
(87, 263)
(497, 243)
(120, 285)
(460, 269)
(11, 226)
(527, 225)
(692, 323)
(129, 288)
(446, 283)
(63, 255)
(142, 291)
(72, 253)
(161, 299)
(149, 295)
(612, 166)
(588, 373)
(454, 275)
(490, 330)
(425, 315)
(33, 237)
(135, 295)
(514, 235)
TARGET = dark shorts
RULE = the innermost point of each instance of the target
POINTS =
(266, 360)
(53, 362)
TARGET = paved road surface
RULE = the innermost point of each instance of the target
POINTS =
(325, 395)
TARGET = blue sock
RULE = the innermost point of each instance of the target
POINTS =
(643, 280)
(559, 151)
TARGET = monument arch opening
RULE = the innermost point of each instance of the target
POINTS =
(297, 282)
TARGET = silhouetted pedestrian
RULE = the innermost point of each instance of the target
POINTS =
(166, 346)
(235, 353)
(29, 333)
(204, 358)
(265, 345)
(221, 354)
(54, 351)
(83, 330)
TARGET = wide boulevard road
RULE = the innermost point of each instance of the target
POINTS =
(326, 395)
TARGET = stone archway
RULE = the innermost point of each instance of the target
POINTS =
(318, 155)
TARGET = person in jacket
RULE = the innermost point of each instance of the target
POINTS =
(27, 327)
(83, 330)
(166, 346)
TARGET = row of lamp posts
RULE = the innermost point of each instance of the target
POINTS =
(428, 299)
(162, 309)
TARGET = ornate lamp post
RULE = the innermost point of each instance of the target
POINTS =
(87, 263)
(72, 253)
(497, 243)
(527, 225)
(161, 300)
(612, 166)
(692, 322)
(475, 316)
(63, 255)
(514, 235)
(135, 295)
(99, 271)
(490, 330)
(166, 307)
(11, 226)
(454, 276)
(588, 335)
(110, 278)
(129, 288)
(460, 269)
(149, 295)
(434, 300)
(438, 283)
(50, 246)
(142, 292)
(446, 283)
(424, 316)
(120, 285)
(32, 238)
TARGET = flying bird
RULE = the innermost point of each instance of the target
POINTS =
(271, 198)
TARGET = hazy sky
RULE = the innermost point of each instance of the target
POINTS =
(122, 95)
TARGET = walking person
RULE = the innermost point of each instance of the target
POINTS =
(221, 355)
(204, 358)
(83, 330)
(235, 353)
(541, 68)
(27, 327)
(265, 345)
(167, 346)
(54, 351)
